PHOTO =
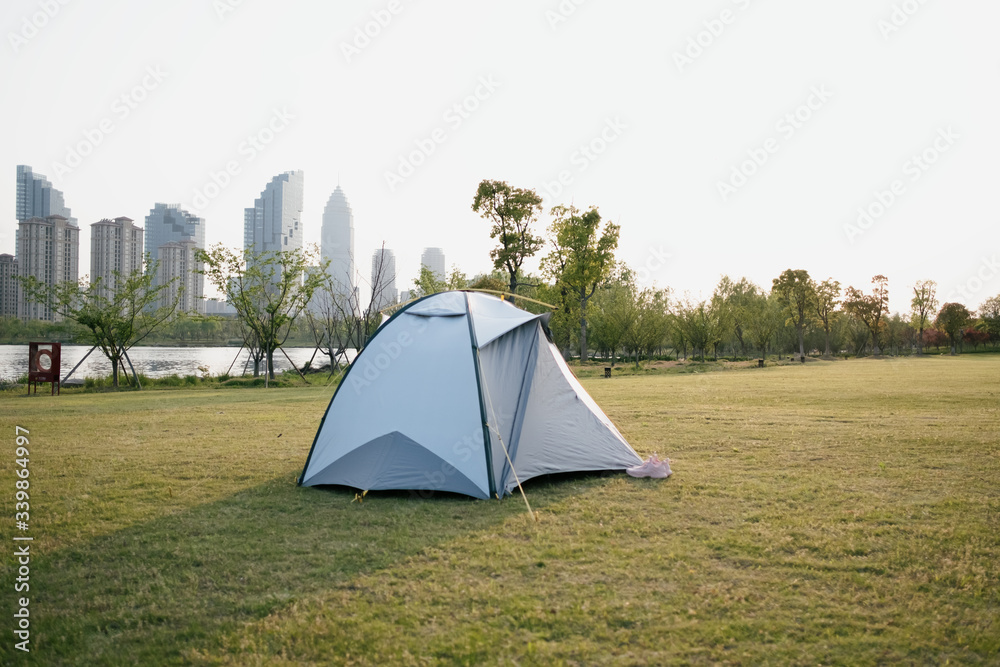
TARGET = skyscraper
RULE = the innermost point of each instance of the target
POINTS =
(433, 259)
(48, 249)
(274, 222)
(172, 235)
(337, 243)
(115, 247)
(169, 223)
(383, 278)
(36, 198)
(179, 269)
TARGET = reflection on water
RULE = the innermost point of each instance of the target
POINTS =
(157, 361)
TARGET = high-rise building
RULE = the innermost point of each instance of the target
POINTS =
(337, 242)
(433, 259)
(179, 269)
(274, 222)
(9, 286)
(48, 249)
(383, 279)
(170, 225)
(115, 247)
(36, 198)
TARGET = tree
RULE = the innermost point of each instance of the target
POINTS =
(427, 283)
(737, 296)
(115, 317)
(923, 305)
(512, 211)
(694, 321)
(989, 314)
(951, 319)
(582, 257)
(720, 323)
(870, 308)
(269, 290)
(796, 293)
(764, 318)
(338, 317)
(615, 308)
(647, 324)
(827, 300)
(899, 333)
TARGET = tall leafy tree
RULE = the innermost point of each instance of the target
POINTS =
(512, 212)
(646, 328)
(827, 300)
(616, 309)
(695, 321)
(269, 290)
(116, 317)
(796, 292)
(951, 319)
(737, 296)
(989, 314)
(582, 257)
(870, 308)
(764, 318)
(923, 306)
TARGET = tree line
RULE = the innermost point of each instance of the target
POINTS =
(599, 307)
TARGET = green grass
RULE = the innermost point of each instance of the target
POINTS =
(827, 513)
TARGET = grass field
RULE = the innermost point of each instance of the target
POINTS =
(829, 513)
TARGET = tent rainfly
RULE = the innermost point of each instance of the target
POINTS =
(461, 392)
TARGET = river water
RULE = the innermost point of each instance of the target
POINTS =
(154, 361)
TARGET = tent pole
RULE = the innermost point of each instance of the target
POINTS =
(488, 450)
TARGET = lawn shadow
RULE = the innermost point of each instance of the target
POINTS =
(181, 582)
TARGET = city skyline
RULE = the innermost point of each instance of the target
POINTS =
(742, 139)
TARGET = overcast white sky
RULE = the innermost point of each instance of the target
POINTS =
(667, 121)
